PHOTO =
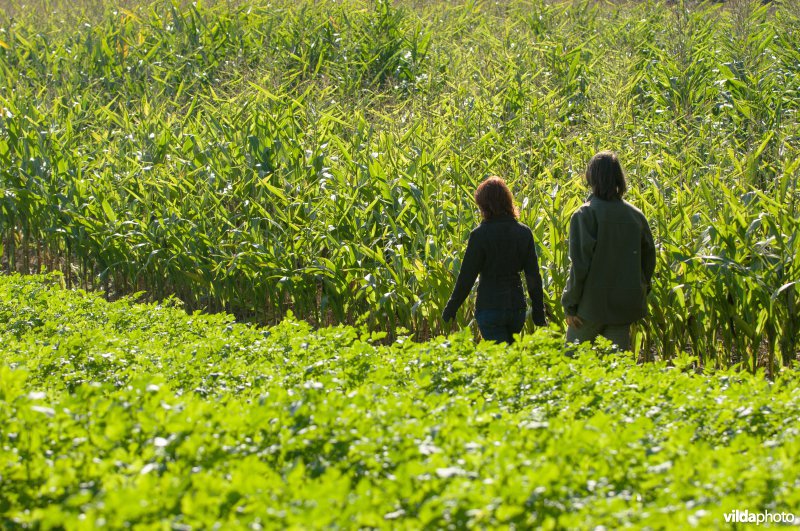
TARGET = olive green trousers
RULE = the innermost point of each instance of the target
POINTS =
(619, 335)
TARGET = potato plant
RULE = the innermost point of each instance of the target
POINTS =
(119, 415)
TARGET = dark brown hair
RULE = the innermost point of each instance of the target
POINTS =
(605, 176)
(495, 199)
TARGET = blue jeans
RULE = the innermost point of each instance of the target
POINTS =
(500, 325)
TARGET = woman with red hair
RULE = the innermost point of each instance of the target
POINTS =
(497, 251)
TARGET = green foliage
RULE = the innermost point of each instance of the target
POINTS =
(320, 157)
(122, 414)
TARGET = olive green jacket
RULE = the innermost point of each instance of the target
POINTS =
(612, 262)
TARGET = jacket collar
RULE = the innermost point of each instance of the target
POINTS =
(499, 219)
(593, 197)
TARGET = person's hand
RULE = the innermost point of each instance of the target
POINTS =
(447, 322)
(448, 325)
(574, 321)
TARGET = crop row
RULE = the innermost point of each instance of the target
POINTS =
(121, 414)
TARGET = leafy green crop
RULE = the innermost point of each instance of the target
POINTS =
(260, 157)
(122, 414)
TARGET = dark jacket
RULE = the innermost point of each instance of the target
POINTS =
(497, 250)
(612, 262)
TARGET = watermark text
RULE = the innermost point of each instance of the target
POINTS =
(764, 517)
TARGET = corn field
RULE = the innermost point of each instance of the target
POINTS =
(319, 157)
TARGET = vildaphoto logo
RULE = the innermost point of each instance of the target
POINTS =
(764, 517)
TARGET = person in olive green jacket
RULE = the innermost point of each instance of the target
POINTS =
(612, 259)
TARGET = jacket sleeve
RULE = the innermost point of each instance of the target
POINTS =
(533, 280)
(648, 255)
(470, 267)
(582, 240)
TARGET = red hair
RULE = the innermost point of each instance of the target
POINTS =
(495, 199)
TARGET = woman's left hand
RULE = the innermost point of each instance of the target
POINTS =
(574, 321)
